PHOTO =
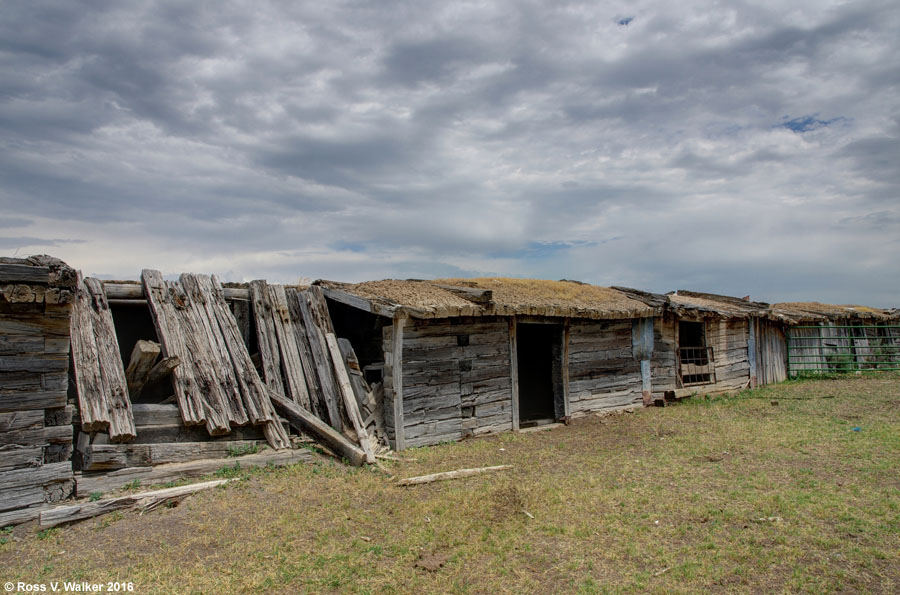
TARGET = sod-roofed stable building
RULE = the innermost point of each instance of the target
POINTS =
(826, 338)
(476, 356)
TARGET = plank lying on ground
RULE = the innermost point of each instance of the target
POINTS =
(104, 482)
(411, 481)
(146, 500)
(307, 422)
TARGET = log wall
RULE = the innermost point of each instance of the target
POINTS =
(603, 371)
(35, 417)
(729, 340)
(455, 375)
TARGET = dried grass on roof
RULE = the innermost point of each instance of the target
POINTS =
(829, 310)
(515, 293)
(510, 296)
(722, 307)
(408, 293)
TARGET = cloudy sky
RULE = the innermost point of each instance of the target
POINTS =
(741, 148)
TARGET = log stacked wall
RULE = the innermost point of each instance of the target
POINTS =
(456, 379)
(729, 339)
(603, 373)
(35, 417)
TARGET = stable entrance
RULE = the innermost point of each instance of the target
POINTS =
(539, 352)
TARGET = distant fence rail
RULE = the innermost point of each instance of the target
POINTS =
(836, 349)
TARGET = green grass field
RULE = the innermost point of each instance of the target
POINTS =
(792, 488)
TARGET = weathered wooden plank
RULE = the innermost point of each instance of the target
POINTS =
(397, 371)
(190, 401)
(21, 344)
(210, 340)
(104, 482)
(38, 435)
(32, 363)
(112, 371)
(315, 332)
(301, 338)
(143, 356)
(266, 337)
(18, 420)
(255, 396)
(307, 422)
(29, 400)
(93, 401)
(349, 398)
(77, 512)
(153, 414)
(13, 456)
(291, 365)
(135, 291)
(42, 475)
(24, 273)
(445, 475)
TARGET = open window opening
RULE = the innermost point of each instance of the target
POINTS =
(695, 357)
(539, 356)
(133, 323)
(364, 331)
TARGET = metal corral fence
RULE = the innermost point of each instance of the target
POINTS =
(833, 349)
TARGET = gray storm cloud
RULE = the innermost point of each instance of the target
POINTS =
(731, 147)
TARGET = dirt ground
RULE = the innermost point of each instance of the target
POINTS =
(793, 488)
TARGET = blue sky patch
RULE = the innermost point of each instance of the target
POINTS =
(807, 123)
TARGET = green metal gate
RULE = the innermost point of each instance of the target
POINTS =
(830, 349)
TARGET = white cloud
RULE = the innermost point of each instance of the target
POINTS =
(426, 139)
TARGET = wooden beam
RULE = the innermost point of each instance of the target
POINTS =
(514, 372)
(473, 294)
(359, 303)
(397, 381)
(23, 273)
(349, 398)
(307, 422)
(134, 291)
(146, 500)
(445, 475)
(565, 367)
(112, 371)
(142, 359)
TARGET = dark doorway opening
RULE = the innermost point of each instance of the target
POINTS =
(539, 355)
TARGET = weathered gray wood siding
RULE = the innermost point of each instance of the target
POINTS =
(603, 372)
(35, 417)
(729, 340)
(455, 378)
(663, 361)
(771, 358)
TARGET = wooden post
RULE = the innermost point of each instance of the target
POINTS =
(751, 350)
(642, 350)
(397, 378)
(514, 372)
(565, 366)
